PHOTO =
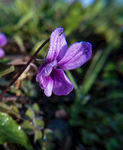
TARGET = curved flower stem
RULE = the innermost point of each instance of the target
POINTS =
(31, 59)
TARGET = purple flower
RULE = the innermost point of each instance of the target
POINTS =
(3, 42)
(59, 57)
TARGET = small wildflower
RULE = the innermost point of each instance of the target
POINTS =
(51, 76)
(3, 41)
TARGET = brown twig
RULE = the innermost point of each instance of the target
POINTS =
(31, 59)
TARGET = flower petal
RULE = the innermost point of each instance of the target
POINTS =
(49, 87)
(3, 39)
(45, 70)
(39, 74)
(57, 43)
(43, 80)
(76, 55)
(2, 53)
(61, 84)
(46, 82)
(62, 46)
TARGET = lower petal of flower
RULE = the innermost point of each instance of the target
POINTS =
(2, 53)
(61, 84)
(49, 87)
(39, 74)
(47, 69)
(46, 82)
(3, 39)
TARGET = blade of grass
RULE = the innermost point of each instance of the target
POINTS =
(4, 70)
(93, 64)
(70, 76)
(94, 69)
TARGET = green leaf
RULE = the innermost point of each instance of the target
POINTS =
(36, 107)
(39, 123)
(5, 69)
(27, 126)
(38, 135)
(29, 113)
(11, 132)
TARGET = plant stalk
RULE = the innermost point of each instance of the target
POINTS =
(31, 59)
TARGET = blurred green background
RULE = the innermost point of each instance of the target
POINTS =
(90, 118)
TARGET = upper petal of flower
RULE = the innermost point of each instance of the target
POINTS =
(61, 84)
(2, 53)
(57, 43)
(62, 46)
(76, 55)
(3, 39)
